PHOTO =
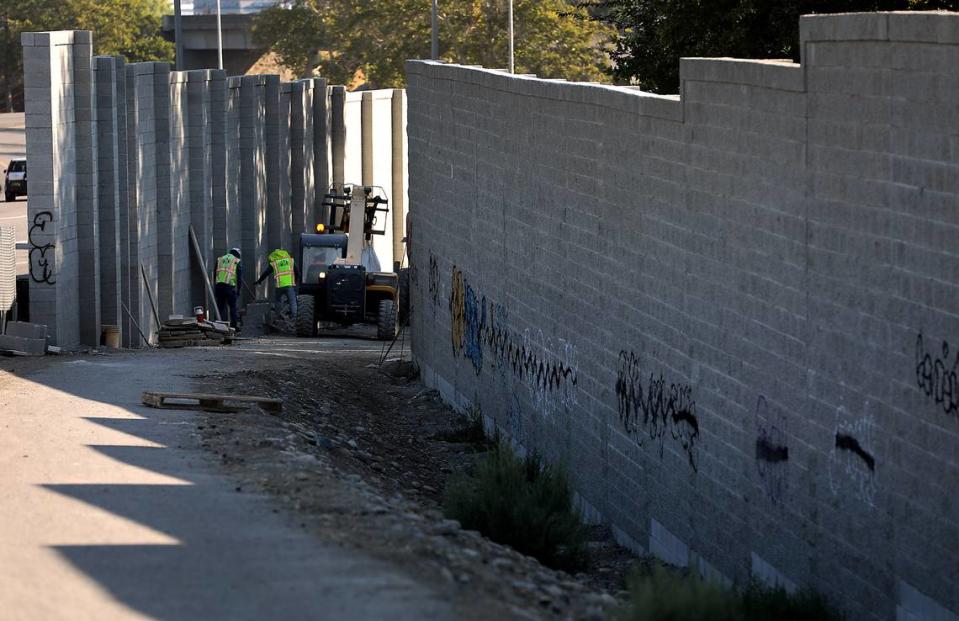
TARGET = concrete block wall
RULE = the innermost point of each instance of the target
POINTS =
(51, 120)
(201, 150)
(284, 216)
(175, 265)
(125, 159)
(253, 177)
(106, 69)
(302, 164)
(322, 171)
(227, 221)
(88, 247)
(733, 313)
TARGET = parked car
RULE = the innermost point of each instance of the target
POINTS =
(15, 180)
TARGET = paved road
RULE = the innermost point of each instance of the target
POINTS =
(12, 145)
(109, 511)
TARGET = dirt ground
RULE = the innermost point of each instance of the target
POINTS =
(361, 456)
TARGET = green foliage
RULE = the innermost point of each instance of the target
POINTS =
(666, 596)
(523, 503)
(655, 34)
(670, 596)
(371, 40)
(129, 28)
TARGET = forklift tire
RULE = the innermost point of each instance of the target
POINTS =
(305, 316)
(386, 321)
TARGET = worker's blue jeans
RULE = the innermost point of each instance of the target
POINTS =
(290, 294)
(226, 301)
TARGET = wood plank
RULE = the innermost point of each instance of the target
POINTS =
(208, 401)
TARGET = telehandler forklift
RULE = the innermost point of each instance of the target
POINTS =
(341, 282)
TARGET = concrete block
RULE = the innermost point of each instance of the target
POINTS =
(22, 329)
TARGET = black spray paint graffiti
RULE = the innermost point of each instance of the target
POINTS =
(434, 279)
(772, 452)
(936, 378)
(40, 268)
(852, 461)
(478, 330)
(650, 405)
(846, 442)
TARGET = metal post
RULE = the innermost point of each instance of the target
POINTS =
(436, 32)
(219, 37)
(178, 34)
(512, 64)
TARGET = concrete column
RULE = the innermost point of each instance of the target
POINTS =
(151, 220)
(200, 146)
(123, 199)
(398, 191)
(218, 178)
(274, 211)
(283, 170)
(108, 188)
(86, 191)
(301, 161)
(172, 202)
(130, 236)
(227, 220)
(253, 177)
(51, 151)
(366, 133)
(322, 173)
(338, 135)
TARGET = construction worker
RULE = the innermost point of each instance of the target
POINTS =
(285, 275)
(229, 275)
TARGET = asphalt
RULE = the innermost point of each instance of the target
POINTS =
(111, 510)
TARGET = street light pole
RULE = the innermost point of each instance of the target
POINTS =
(435, 49)
(178, 33)
(219, 37)
(512, 64)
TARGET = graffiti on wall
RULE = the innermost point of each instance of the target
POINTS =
(653, 410)
(434, 279)
(772, 451)
(457, 310)
(479, 332)
(936, 378)
(852, 461)
(41, 270)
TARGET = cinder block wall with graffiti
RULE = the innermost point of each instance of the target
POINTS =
(733, 314)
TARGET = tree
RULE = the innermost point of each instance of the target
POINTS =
(129, 28)
(655, 34)
(343, 39)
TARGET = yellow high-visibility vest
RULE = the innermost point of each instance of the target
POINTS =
(226, 269)
(282, 264)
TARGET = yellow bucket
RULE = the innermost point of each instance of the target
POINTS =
(111, 336)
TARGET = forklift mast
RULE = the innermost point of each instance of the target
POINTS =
(371, 200)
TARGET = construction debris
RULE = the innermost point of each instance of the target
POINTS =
(180, 331)
(24, 339)
(207, 402)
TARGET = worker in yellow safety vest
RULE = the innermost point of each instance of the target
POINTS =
(285, 275)
(229, 275)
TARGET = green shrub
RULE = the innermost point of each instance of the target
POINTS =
(668, 596)
(671, 596)
(760, 603)
(522, 503)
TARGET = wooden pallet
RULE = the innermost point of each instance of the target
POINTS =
(208, 402)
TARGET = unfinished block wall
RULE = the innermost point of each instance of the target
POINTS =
(126, 158)
(732, 313)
